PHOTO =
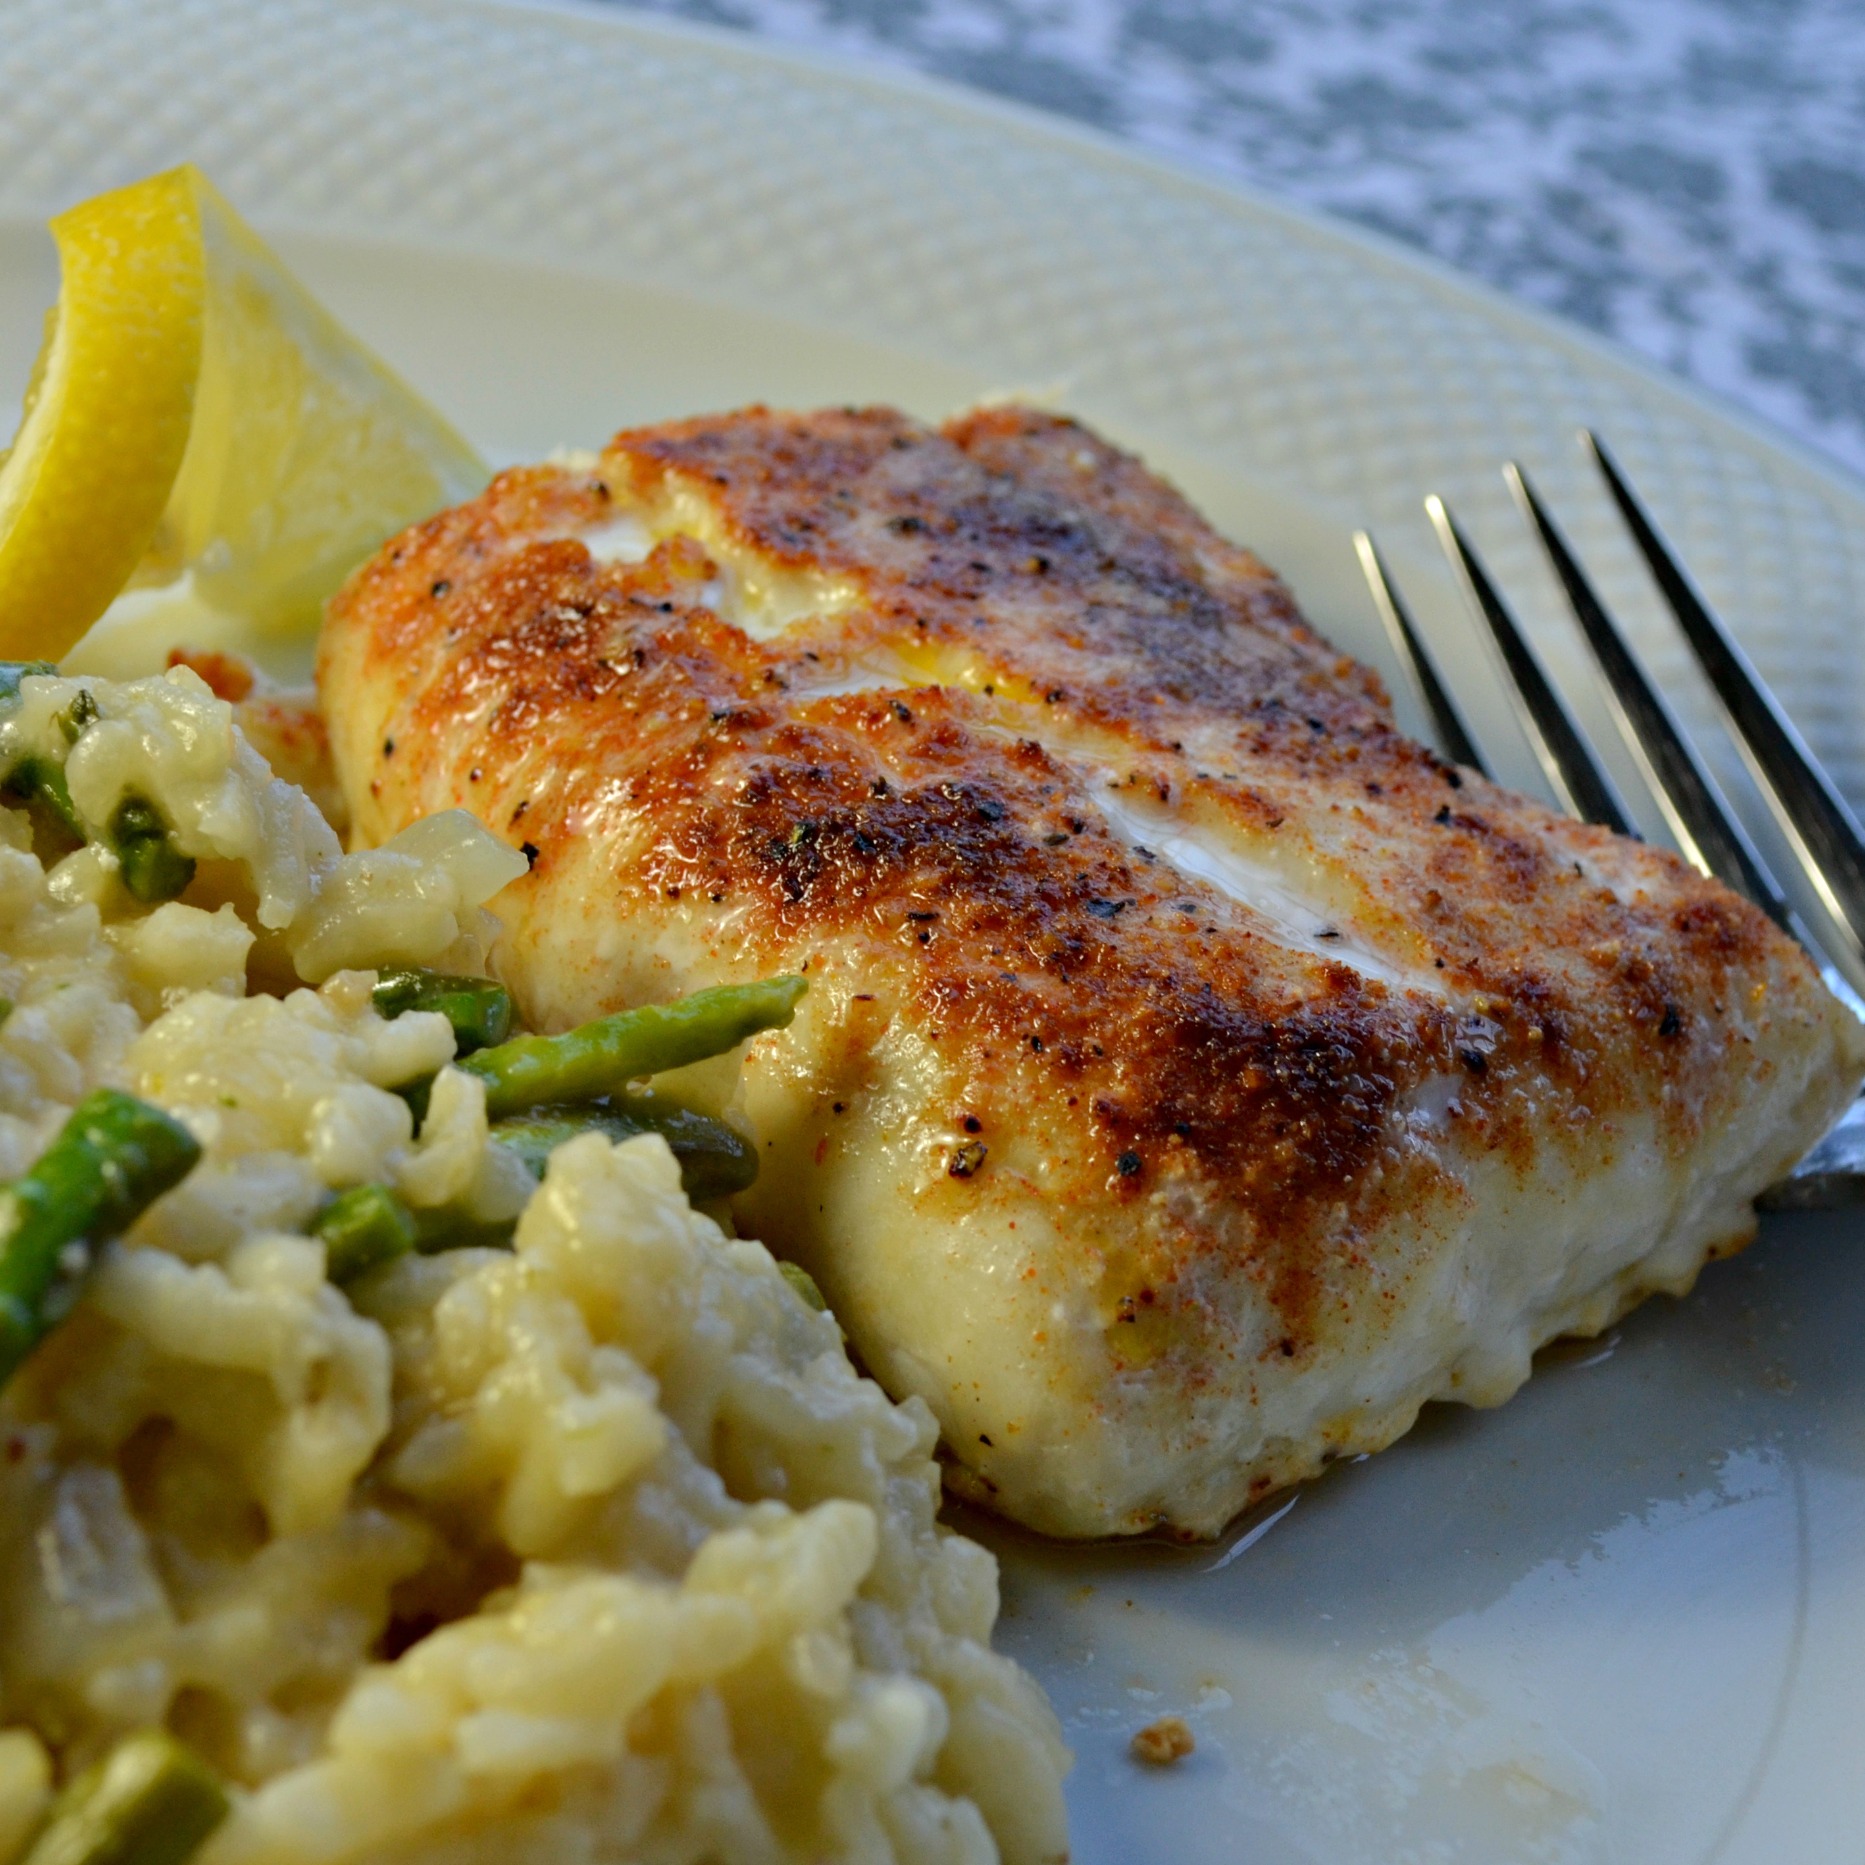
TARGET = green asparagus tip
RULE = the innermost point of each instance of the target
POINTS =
(599, 1058)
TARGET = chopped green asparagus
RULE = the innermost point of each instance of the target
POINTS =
(598, 1058)
(537, 1133)
(111, 1160)
(154, 869)
(480, 1009)
(150, 1801)
(417, 1094)
(715, 1160)
(367, 1226)
(363, 1227)
(805, 1285)
(79, 716)
(441, 1229)
(41, 781)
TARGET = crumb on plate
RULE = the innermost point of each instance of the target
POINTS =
(1162, 1743)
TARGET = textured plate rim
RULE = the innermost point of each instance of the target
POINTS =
(1523, 325)
(1545, 326)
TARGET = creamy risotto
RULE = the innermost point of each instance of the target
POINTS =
(590, 1545)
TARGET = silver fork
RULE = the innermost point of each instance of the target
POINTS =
(1820, 832)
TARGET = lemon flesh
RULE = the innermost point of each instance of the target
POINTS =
(200, 425)
(107, 413)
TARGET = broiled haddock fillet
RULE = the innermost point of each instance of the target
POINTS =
(1197, 1075)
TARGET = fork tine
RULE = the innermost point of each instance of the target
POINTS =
(1583, 788)
(1823, 833)
(1454, 738)
(1707, 832)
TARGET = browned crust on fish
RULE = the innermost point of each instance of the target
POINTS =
(943, 832)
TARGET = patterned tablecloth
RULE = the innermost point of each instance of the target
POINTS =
(1687, 176)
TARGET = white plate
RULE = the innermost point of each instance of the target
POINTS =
(1622, 1618)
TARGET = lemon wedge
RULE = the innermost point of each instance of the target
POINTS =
(107, 414)
(199, 428)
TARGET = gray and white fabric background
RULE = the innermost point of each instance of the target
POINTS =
(1686, 176)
